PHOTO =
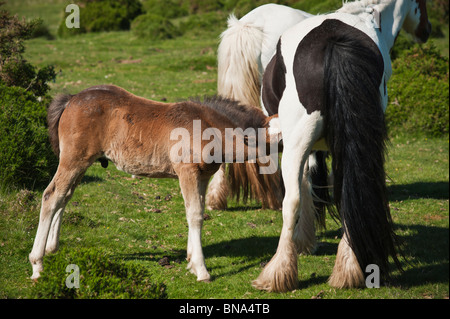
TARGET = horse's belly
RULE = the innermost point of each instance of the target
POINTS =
(146, 165)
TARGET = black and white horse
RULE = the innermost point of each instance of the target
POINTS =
(327, 81)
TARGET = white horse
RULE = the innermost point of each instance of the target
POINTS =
(328, 82)
(248, 45)
(245, 50)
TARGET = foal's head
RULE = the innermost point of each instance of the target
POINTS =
(416, 22)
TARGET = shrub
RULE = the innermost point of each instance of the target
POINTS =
(103, 15)
(27, 159)
(42, 31)
(242, 7)
(18, 72)
(154, 27)
(166, 8)
(201, 6)
(205, 21)
(316, 7)
(14, 69)
(403, 42)
(101, 277)
(439, 10)
(418, 93)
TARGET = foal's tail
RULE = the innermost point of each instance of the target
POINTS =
(239, 75)
(356, 135)
(54, 113)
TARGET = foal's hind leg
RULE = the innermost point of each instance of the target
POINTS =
(193, 188)
(53, 236)
(55, 197)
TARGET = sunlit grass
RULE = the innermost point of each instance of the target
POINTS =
(143, 220)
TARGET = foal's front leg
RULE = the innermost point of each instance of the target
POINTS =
(194, 189)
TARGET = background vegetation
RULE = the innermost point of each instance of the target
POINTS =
(103, 277)
(138, 225)
(27, 159)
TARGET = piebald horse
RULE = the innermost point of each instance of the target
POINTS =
(107, 123)
(245, 49)
(327, 82)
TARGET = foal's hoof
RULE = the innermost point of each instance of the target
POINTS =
(202, 274)
(207, 280)
(37, 269)
(204, 278)
(35, 277)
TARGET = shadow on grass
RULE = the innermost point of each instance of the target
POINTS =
(427, 255)
(426, 251)
(87, 179)
(435, 190)
(243, 208)
(426, 247)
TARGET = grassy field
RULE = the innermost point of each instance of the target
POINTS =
(142, 220)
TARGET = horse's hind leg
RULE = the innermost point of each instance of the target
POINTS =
(305, 231)
(54, 200)
(346, 271)
(216, 198)
(193, 188)
(281, 273)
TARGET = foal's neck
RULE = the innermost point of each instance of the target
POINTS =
(392, 15)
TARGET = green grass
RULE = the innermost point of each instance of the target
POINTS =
(132, 220)
(442, 43)
(172, 69)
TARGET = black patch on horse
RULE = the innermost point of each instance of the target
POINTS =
(309, 60)
(274, 82)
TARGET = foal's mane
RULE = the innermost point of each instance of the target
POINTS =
(243, 116)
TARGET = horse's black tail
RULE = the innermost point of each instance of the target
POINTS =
(356, 135)
(321, 190)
